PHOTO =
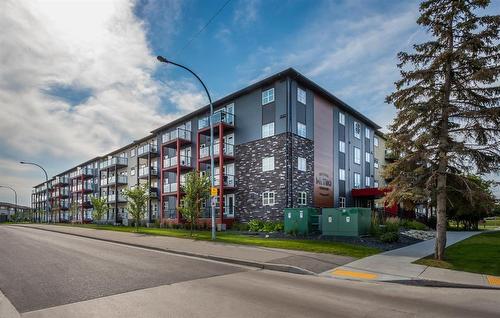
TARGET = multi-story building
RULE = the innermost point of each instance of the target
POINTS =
(8, 210)
(281, 142)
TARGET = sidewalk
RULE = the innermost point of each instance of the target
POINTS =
(269, 258)
(396, 265)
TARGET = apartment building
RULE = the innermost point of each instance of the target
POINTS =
(281, 142)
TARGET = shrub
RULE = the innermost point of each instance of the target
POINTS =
(268, 226)
(375, 227)
(414, 225)
(279, 226)
(255, 225)
(389, 237)
(391, 226)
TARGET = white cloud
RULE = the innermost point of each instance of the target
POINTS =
(246, 12)
(99, 47)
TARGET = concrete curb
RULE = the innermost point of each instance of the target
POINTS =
(268, 266)
(435, 283)
(7, 310)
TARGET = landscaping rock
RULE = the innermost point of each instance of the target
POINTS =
(419, 235)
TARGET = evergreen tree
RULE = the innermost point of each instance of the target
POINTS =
(447, 101)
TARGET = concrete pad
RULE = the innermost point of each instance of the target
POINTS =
(7, 310)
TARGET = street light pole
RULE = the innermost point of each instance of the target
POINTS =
(47, 205)
(15, 197)
(212, 168)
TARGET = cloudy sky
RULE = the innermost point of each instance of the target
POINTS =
(79, 78)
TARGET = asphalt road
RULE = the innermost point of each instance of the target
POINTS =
(42, 270)
(39, 269)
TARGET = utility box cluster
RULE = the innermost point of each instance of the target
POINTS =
(302, 221)
(331, 221)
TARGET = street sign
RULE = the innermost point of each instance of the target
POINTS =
(213, 191)
(213, 202)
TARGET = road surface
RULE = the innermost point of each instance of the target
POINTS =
(47, 274)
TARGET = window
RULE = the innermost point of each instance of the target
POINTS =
(357, 180)
(375, 163)
(367, 157)
(301, 129)
(341, 146)
(268, 96)
(367, 181)
(341, 202)
(375, 141)
(357, 129)
(357, 155)
(267, 163)
(132, 171)
(375, 184)
(342, 174)
(301, 95)
(302, 199)
(341, 118)
(132, 152)
(302, 164)
(268, 130)
(268, 198)
(367, 132)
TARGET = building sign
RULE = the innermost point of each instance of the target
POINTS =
(323, 153)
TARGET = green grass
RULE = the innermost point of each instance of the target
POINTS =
(317, 246)
(477, 254)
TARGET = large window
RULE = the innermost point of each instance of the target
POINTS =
(367, 132)
(341, 146)
(302, 164)
(357, 180)
(301, 130)
(268, 130)
(367, 157)
(302, 199)
(375, 184)
(268, 96)
(132, 152)
(342, 118)
(375, 163)
(301, 95)
(267, 163)
(268, 198)
(367, 181)
(357, 155)
(357, 129)
(342, 174)
(375, 141)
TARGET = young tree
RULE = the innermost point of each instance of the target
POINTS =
(197, 190)
(448, 119)
(137, 201)
(100, 207)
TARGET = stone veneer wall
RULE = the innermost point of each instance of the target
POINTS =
(252, 181)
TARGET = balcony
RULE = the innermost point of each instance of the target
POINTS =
(171, 188)
(170, 214)
(228, 180)
(228, 152)
(112, 198)
(147, 150)
(62, 180)
(64, 192)
(153, 192)
(82, 173)
(219, 117)
(83, 187)
(145, 172)
(64, 204)
(115, 161)
(121, 180)
(184, 162)
(170, 138)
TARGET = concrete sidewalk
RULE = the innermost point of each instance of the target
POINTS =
(397, 265)
(268, 258)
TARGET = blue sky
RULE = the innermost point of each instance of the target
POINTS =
(80, 78)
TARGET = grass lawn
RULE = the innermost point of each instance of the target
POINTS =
(477, 254)
(337, 248)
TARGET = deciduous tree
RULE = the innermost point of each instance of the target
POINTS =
(197, 190)
(137, 202)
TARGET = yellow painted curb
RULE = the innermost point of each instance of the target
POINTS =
(493, 280)
(346, 273)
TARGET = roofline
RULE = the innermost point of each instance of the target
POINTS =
(287, 72)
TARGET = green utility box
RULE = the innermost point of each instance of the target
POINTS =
(346, 221)
(301, 220)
